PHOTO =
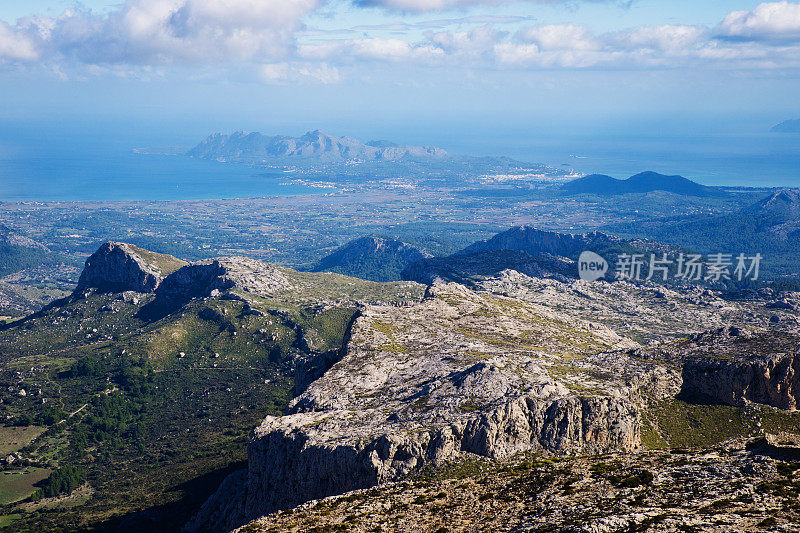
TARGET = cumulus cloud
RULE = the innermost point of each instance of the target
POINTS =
(422, 6)
(16, 45)
(163, 31)
(268, 37)
(771, 21)
(373, 49)
(559, 37)
(283, 72)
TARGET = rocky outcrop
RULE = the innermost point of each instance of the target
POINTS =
(459, 373)
(770, 379)
(213, 277)
(734, 366)
(722, 489)
(509, 365)
(292, 459)
(118, 267)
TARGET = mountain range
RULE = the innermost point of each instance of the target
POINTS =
(165, 395)
(314, 146)
(643, 182)
(526, 249)
(770, 226)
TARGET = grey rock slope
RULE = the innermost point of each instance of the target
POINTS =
(457, 373)
(314, 146)
(118, 267)
(373, 258)
(11, 238)
(512, 364)
(735, 367)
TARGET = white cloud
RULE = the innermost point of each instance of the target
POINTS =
(279, 73)
(559, 37)
(268, 37)
(665, 38)
(423, 6)
(372, 49)
(16, 45)
(170, 31)
(771, 21)
(476, 41)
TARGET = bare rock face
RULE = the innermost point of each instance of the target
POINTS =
(738, 369)
(513, 364)
(119, 267)
(459, 373)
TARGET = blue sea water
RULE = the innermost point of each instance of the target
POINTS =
(88, 162)
(53, 164)
(743, 159)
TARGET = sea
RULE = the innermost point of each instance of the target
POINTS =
(64, 162)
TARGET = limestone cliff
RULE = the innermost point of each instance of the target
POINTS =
(118, 267)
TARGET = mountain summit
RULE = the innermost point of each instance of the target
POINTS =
(314, 146)
(643, 182)
(373, 258)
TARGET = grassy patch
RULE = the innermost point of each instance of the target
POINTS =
(18, 484)
(687, 425)
(9, 519)
(13, 438)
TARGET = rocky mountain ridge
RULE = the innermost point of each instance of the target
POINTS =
(118, 267)
(419, 376)
(462, 373)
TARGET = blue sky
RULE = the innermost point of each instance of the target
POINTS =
(381, 66)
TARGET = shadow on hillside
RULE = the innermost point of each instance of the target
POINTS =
(173, 516)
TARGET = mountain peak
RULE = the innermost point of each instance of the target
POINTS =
(783, 204)
(643, 182)
(371, 257)
(118, 267)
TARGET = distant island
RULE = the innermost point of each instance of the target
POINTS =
(314, 147)
(787, 126)
(349, 158)
(643, 182)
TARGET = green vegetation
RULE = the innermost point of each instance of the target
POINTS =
(14, 438)
(681, 424)
(167, 264)
(14, 258)
(62, 481)
(19, 483)
(152, 415)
